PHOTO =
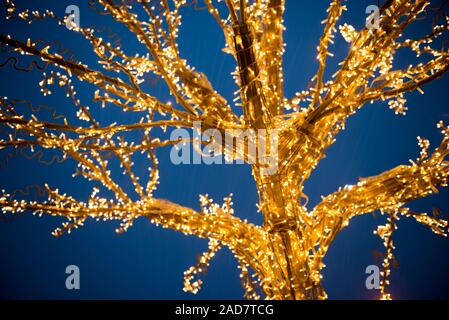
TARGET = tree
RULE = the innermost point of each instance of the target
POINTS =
(283, 258)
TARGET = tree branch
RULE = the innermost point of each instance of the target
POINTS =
(241, 237)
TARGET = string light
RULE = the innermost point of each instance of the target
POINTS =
(283, 258)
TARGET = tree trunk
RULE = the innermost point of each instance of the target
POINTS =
(294, 272)
(296, 275)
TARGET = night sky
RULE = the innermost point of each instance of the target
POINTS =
(148, 262)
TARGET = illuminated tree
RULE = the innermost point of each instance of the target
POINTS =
(283, 258)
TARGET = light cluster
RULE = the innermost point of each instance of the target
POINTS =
(283, 258)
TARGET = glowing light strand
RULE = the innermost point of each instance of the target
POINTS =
(283, 258)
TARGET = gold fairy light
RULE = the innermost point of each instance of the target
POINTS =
(283, 258)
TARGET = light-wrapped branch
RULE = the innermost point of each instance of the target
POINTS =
(386, 192)
(238, 235)
(391, 189)
(191, 89)
(366, 74)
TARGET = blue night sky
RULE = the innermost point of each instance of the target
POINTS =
(148, 262)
